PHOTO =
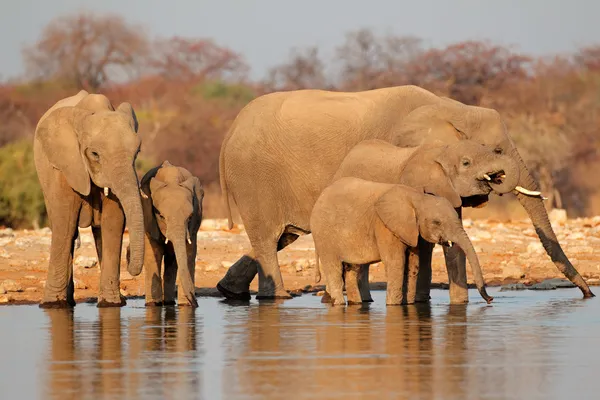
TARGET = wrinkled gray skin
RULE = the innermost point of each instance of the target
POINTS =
(283, 149)
(360, 222)
(456, 172)
(83, 150)
(172, 200)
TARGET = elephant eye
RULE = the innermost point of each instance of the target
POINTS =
(498, 150)
(437, 222)
(466, 162)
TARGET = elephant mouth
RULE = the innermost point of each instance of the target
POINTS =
(494, 178)
(445, 243)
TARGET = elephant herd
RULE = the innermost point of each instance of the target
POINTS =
(377, 175)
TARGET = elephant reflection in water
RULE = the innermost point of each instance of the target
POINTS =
(90, 359)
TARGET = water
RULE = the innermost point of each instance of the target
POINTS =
(527, 345)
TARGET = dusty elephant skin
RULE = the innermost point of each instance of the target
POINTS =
(360, 222)
(275, 167)
(84, 153)
(457, 172)
(172, 201)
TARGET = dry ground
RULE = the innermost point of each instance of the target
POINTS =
(510, 252)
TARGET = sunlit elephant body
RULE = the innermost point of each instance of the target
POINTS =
(84, 154)
(360, 222)
(172, 200)
(284, 148)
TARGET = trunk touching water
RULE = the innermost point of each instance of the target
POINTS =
(126, 190)
(462, 240)
(538, 215)
(184, 276)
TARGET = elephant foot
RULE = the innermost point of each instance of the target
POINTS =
(279, 295)
(245, 296)
(355, 303)
(57, 304)
(104, 303)
(326, 298)
(368, 301)
(153, 304)
(588, 294)
(422, 299)
(169, 303)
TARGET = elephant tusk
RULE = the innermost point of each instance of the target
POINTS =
(502, 176)
(530, 192)
(144, 195)
(166, 240)
(487, 177)
(106, 191)
(450, 244)
(189, 240)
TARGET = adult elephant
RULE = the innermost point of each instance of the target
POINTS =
(84, 152)
(284, 148)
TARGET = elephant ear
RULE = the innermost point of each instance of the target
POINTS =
(398, 214)
(127, 109)
(60, 143)
(440, 182)
(195, 186)
(150, 223)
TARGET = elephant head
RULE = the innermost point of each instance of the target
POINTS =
(415, 213)
(92, 143)
(173, 205)
(461, 170)
(448, 121)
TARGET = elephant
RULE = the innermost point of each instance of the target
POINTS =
(172, 202)
(283, 149)
(360, 222)
(464, 173)
(84, 153)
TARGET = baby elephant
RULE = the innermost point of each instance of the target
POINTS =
(172, 202)
(360, 222)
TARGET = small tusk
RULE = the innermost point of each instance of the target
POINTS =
(189, 240)
(487, 177)
(166, 240)
(529, 192)
(502, 176)
(450, 244)
(144, 195)
(106, 191)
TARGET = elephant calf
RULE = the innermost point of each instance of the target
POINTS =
(360, 222)
(172, 202)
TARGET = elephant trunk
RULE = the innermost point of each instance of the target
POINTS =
(463, 241)
(503, 174)
(127, 191)
(539, 216)
(184, 276)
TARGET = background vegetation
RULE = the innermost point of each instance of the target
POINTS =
(187, 91)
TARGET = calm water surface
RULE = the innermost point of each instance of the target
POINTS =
(527, 345)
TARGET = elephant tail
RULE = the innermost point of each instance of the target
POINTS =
(317, 268)
(223, 183)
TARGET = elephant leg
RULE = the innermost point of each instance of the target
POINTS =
(351, 277)
(170, 278)
(97, 233)
(334, 279)
(363, 283)
(424, 273)
(236, 282)
(63, 209)
(112, 223)
(412, 274)
(456, 265)
(153, 257)
(270, 281)
(393, 257)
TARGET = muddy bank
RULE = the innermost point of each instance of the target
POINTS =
(509, 253)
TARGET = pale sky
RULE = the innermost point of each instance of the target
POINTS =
(265, 30)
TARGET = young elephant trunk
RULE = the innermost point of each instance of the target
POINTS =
(463, 241)
(126, 190)
(538, 215)
(184, 276)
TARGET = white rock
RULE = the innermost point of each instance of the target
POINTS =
(300, 264)
(7, 232)
(5, 299)
(86, 262)
(5, 240)
(45, 231)
(79, 284)
(535, 247)
(576, 236)
(11, 286)
(31, 289)
(558, 216)
(484, 235)
(226, 264)
(2, 290)
(211, 267)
